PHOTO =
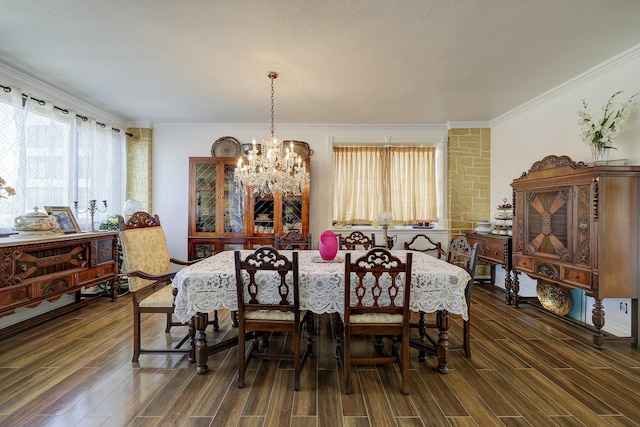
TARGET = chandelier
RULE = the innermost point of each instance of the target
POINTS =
(271, 166)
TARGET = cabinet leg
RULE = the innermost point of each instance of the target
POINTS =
(508, 283)
(597, 317)
(635, 323)
(512, 294)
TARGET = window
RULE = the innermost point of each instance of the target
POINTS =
(52, 157)
(369, 180)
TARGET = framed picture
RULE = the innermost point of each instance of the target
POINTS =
(65, 218)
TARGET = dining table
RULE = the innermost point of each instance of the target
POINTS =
(210, 284)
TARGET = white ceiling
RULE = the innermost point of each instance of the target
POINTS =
(340, 61)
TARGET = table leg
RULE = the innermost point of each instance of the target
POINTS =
(202, 352)
(442, 320)
(192, 341)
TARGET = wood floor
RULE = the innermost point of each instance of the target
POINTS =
(528, 369)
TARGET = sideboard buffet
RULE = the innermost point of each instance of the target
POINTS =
(40, 269)
(494, 249)
(577, 226)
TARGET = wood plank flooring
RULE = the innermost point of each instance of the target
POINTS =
(528, 369)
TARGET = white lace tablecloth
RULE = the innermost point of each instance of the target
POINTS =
(211, 284)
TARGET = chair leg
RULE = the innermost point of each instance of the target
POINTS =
(467, 338)
(311, 329)
(405, 363)
(346, 364)
(136, 335)
(168, 327)
(297, 341)
(234, 319)
(339, 337)
(216, 327)
(241, 357)
(422, 328)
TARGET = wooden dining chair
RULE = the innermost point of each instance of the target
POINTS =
(423, 243)
(147, 266)
(356, 240)
(464, 255)
(293, 240)
(376, 303)
(270, 303)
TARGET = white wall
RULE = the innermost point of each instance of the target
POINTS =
(173, 144)
(549, 125)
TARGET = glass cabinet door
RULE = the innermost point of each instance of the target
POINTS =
(233, 208)
(263, 214)
(206, 198)
(217, 204)
(291, 214)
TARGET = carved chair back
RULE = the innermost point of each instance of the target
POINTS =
(293, 240)
(356, 240)
(423, 243)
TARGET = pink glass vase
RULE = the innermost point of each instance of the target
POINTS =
(328, 245)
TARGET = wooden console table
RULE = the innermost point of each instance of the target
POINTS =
(495, 249)
(33, 270)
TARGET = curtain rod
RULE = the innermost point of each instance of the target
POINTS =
(8, 89)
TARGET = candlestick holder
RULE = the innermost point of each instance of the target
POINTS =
(92, 209)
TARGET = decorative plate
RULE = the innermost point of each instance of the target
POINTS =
(553, 297)
(301, 148)
(227, 146)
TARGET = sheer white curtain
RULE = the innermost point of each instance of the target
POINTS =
(11, 135)
(53, 158)
(101, 171)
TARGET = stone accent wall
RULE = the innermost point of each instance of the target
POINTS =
(139, 166)
(468, 178)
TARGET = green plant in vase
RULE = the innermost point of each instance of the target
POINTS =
(110, 223)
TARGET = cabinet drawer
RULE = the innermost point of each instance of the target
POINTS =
(577, 277)
(56, 286)
(96, 274)
(547, 270)
(524, 264)
(13, 296)
(492, 250)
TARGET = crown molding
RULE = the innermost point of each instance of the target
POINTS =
(140, 125)
(467, 125)
(48, 91)
(592, 73)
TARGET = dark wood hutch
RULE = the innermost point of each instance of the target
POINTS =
(223, 216)
(577, 226)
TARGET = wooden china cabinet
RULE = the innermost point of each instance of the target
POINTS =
(578, 226)
(223, 216)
